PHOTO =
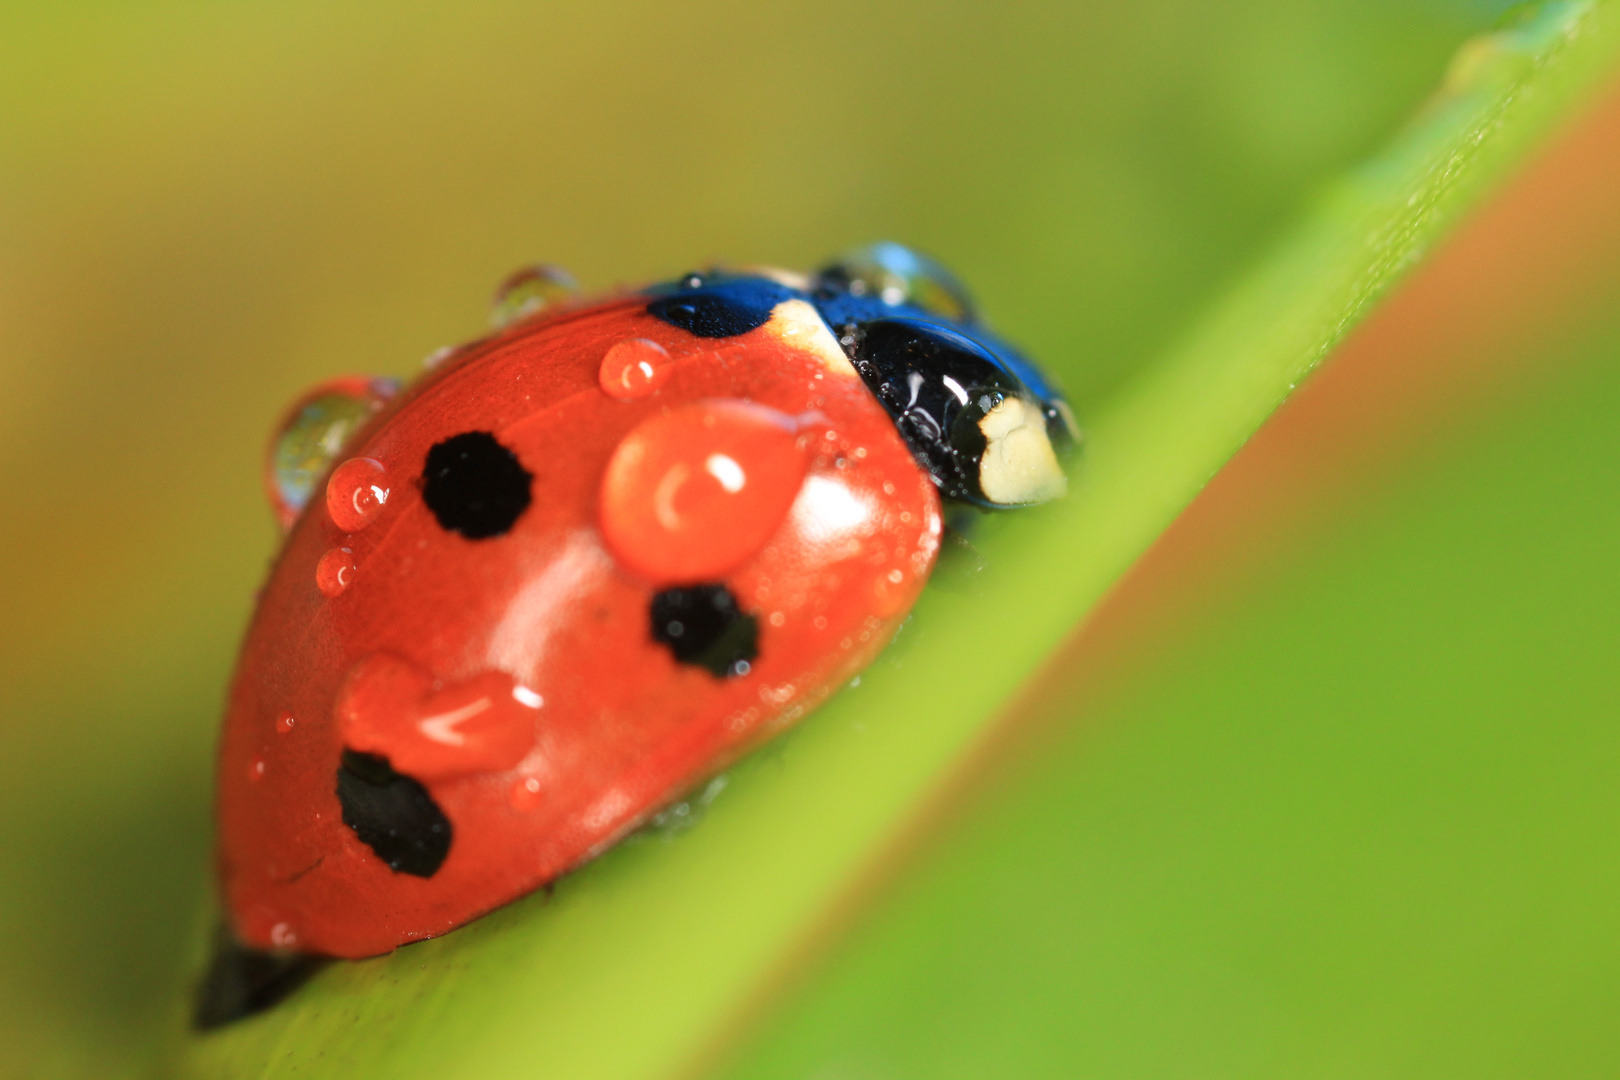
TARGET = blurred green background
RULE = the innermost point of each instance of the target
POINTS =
(205, 207)
(1328, 786)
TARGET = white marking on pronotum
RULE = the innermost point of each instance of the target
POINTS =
(796, 323)
(1019, 464)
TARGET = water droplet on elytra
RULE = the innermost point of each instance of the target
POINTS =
(256, 768)
(284, 723)
(529, 291)
(526, 794)
(357, 492)
(633, 368)
(335, 571)
(691, 494)
(312, 435)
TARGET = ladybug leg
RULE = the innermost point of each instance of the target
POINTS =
(241, 981)
(961, 563)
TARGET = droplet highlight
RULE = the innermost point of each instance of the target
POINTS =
(335, 571)
(530, 291)
(634, 368)
(285, 723)
(357, 493)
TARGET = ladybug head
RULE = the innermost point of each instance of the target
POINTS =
(981, 419)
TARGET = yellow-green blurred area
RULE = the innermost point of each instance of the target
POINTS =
(1352, 814)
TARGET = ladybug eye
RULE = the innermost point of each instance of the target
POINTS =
(392, 814)
(475, 486)
(704, 627)
(897, 275)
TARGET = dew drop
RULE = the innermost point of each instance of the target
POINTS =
(285, 722)
(691, 494)
(255, 770)
(335, 571)
(530, 291)
(389, 707)
(526, 794)
(633, 368)
(357, 492)
(283, 936)
(312, 435)
(898, 275)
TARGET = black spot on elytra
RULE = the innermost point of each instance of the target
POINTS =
(704, 627)
(475, 486)
(392, 814)
(241, 981)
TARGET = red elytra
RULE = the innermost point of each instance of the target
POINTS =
(514, 676)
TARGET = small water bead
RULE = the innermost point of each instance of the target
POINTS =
(633, 368)
(897, 275)
(529, 291)
(526, 794)
(357, 493)
(335, 571)
(256, 768)
(283, 936)
(313, 434)
(285, 722)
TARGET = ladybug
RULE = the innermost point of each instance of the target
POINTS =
(582, 565)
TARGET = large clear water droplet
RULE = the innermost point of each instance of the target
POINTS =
(530, 291)
(897, 275)
(313, 434)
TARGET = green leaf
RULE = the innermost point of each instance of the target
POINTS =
(638, 964)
